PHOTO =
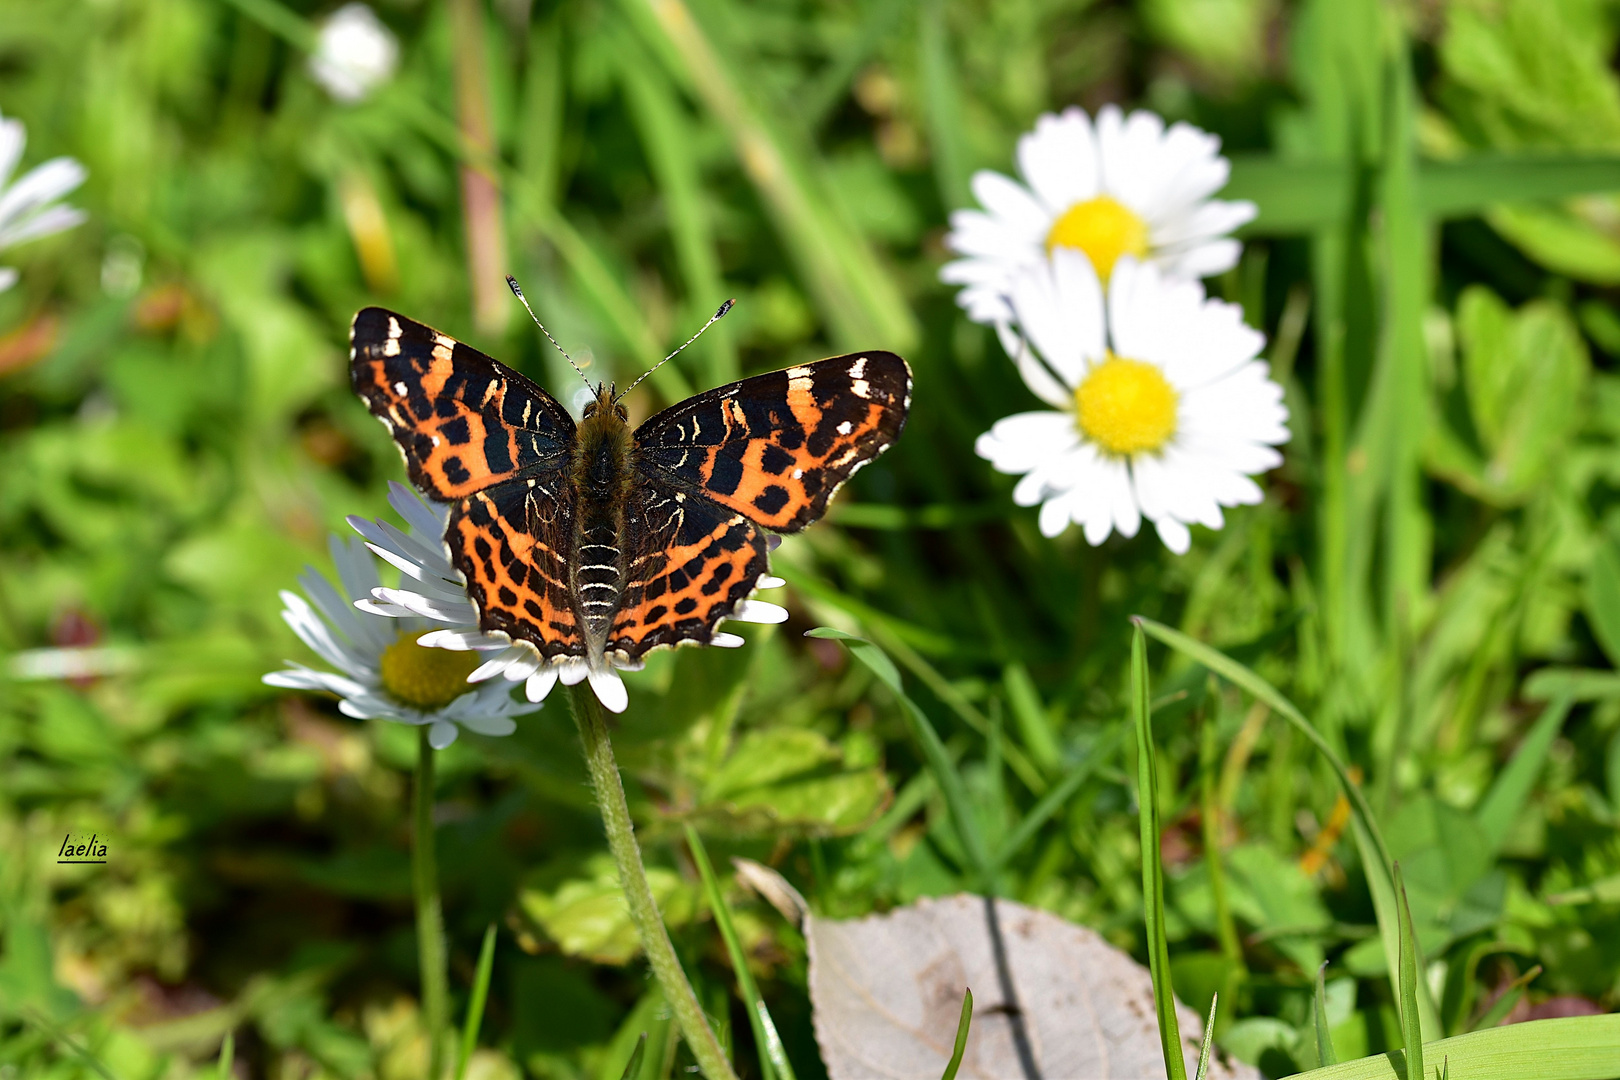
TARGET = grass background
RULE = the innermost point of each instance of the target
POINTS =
(1434, 576)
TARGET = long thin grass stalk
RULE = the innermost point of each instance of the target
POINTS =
(480, 187)
(666, 966)
(430, 950)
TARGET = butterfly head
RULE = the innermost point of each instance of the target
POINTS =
(607, 404)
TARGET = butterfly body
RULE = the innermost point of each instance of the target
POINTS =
(598, 542)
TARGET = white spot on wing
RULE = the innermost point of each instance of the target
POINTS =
(860, 388)
(845, 428)
(857, 370)
(401, 389)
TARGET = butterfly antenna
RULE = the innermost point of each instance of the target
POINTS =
(716, 317)
(517, 291)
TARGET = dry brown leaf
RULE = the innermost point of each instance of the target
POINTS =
(1052, 1000)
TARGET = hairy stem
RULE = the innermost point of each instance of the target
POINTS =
(655, 941)
(430, 948)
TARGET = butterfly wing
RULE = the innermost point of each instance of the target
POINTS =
(482, 437)
(776, 447)
(689, 562)
(512, 542)
(463, 421)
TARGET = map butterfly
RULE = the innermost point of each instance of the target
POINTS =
(592, 541)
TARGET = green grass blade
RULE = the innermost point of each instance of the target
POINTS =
(1374, 852)
(1411, 963)
(1463, 188)
(1058, 797)
(1571, 1048)
(666, 138)
(1511, 790)
(1034, 725)
(632, 1068)
(1209, 1040)
(773, 1062)
(227, 1056)
(942, 106)
(475, 1005)
(1509, 998)
(933, 750)
(1147, 797)
(1324, 1038)
(1294, 196)
(859, 298)
(59, 1035)
(279, 20)
(963, 1022)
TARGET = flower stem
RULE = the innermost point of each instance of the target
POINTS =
(655, 941)
(430, 949)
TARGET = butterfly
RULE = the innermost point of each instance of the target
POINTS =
(594, 542)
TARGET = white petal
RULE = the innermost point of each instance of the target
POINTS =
(610, 690)
(1012, 205)
(1041, 382)
(43, 222)
(1115, 493)
(462, 614)
(427, 518)
(769, 582)
(1059, 160)
(1174, 534)
(37, 188)
(13, 136)
(727, 641)
(392, 611)
(540, 683)
(441, 734)
(1060, 309)
(495, 726)
(759, 611)
(1024, 441)
(498, 663)
(572, 671)
(8, 277)
(1054, 516)
(299, 677)
(463, 640)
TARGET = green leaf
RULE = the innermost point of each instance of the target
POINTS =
(1574, 1048)
(1209, 1040)
(1147, 797)
(586, 916)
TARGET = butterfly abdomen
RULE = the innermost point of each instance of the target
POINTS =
(602, 476)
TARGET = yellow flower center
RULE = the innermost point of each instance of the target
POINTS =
(424, 678)
(1104, 229)
(1126, 406)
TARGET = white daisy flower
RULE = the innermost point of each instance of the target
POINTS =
(434, 590)
(1164, 410)
(29, 208)
(354, 53)
(1126, 187)
(383, 669)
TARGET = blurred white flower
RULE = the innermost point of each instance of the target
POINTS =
(29, 208)
(1126, 187)
(434, 590)
(354, 53)
(1164, 410)
(382, 669)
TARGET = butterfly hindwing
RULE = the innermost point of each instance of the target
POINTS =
(689, 563)
(777, 446)
(463, 421)
(514, 544)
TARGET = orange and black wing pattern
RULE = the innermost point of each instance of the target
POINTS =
(775, 447)
(513, 543)
(688, 563)
(463, 421)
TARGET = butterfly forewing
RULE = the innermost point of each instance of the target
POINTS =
(777, 446)
(463, 421)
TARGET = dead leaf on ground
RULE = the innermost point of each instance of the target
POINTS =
(1052, 1000)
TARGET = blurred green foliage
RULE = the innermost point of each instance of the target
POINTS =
(177, 438)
